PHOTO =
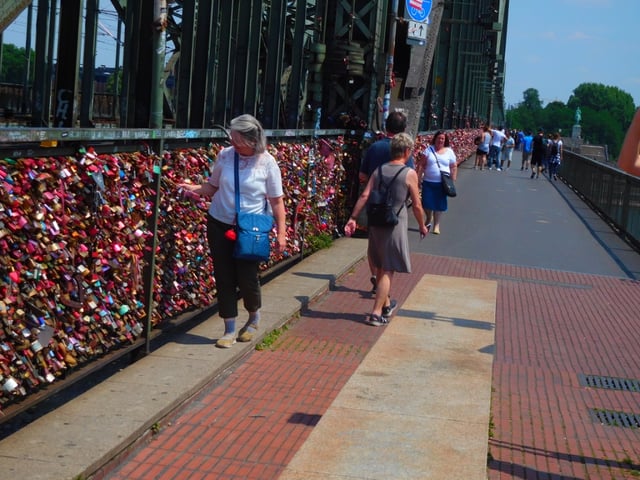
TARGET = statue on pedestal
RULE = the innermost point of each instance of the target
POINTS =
(576, 131)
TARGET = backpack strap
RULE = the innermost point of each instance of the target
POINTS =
(388, 187)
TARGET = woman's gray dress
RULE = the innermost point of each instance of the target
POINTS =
(389, 246)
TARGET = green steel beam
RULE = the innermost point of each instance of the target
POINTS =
(274, 59)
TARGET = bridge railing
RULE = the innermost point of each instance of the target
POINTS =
(613, 193)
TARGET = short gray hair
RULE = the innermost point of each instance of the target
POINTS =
(399, 143)
(250, 129)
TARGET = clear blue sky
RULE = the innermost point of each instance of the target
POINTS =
(552, 45)
(16, 33)
(555, 45)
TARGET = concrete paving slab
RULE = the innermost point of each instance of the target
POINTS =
(82, 435)
(426, 414)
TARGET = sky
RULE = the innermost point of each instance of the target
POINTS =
(16, 33)
(556, 45)
(552, 45)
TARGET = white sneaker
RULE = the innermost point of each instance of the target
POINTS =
(498, 169)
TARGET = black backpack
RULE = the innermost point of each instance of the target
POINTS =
(380, 211)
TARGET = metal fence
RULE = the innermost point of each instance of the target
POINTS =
(15, 105)
(611, 192)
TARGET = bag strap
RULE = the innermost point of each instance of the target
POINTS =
(433, 150)
(388, 187)
(236, 180)
(380, 182)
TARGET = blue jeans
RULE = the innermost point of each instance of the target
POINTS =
(494, 156)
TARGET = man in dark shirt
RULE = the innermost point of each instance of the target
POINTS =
(380, 151)
(538, 152)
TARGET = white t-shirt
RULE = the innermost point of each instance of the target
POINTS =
(260, 179)
(497, 136)
(446, 160)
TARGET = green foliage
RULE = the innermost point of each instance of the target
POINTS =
(14, 64)
(557, 118)
(111, 82)
(320, 241)
(532, 100)
(606, 114)
(271, 338)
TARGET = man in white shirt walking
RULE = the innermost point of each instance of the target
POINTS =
(498, 138)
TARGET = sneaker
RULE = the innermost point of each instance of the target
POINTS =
(498, 169)
(387, 311)
(246, 335)
(376, 321)
(374, 282)
(226, 341)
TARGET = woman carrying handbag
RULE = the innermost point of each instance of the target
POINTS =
(437, 159)
(245, 163)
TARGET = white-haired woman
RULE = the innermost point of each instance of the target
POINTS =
(260, 181)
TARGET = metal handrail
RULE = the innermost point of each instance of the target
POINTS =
(614, 194)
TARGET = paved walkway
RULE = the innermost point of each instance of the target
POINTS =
(488, 370)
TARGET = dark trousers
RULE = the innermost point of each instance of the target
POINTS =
(232, 275)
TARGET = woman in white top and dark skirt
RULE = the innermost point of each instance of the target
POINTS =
(438, 157)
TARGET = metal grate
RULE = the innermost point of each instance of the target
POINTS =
(609, 383)
(615, 419)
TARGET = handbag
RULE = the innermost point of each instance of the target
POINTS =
(445, 179)
(252, 229)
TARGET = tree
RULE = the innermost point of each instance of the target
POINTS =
(14, 64)
(603, 98)
(557, 118)
(531, 100)
(601, 128)
(528, 114)
(606, 111)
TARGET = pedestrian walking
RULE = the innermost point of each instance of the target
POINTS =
(497, 140)
(509, 146)
(527, 145)
(377, 154)
(437, 158)
(388, 247)
(556, 156)
(482, 150)
(538, 152)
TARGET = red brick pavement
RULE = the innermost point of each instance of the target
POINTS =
(550, 327)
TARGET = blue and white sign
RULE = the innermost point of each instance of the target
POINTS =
(418, 10)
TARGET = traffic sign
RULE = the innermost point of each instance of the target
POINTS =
(418, 10)
(417, 30)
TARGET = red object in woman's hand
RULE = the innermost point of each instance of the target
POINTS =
(231, 235)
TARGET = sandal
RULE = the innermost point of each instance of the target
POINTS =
(376, 320)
